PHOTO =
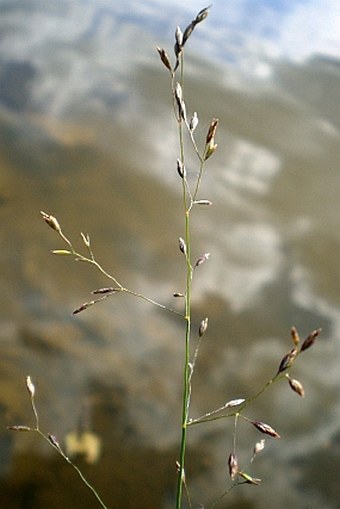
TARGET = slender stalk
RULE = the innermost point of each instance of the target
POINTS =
(52, 441)
(199, 180)
(187, 371)
(187, 203)
(67, 459)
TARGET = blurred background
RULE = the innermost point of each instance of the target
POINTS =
(88, 135)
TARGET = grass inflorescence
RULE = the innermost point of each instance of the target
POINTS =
(191, 198)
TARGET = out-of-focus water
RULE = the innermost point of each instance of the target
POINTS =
(88, 134)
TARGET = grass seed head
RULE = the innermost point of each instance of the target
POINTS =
(164, 58)
(30, 386)
(233, 466)
(287, 360)
(182, 245)
(295, 336)
(309, 341)
(203, 327)
(296, 386)
(51, 221)
(265, 428)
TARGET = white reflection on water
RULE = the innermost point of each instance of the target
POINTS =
(251, 167)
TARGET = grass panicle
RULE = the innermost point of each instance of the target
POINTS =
(233, 409)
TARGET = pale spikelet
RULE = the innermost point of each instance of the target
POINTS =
(180, 101)
(265, 428)
(296, 386)
(183, 111)
(202, 259)
(30, 386)
(203, 327)
(249, 479)
(234, 402)
(259, 446)
(233, 466)
(193, 122)
(202, 202)
(308, 342)
(164, 58)
(182, 245)
(62, 252)
(178, 469)
(53, 440)
(287, 360)
(51, 221)
(210, 149)
(178, 45)
(19, 427)
(178, 92)
(181, 169)
(295, 336)
(86, 239)
(179, 36)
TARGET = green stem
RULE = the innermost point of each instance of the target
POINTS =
(186, 371)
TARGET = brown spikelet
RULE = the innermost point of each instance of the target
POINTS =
(287, 360)
(108, 289)
(309, 341)
(51, 221)
(164, 58)
(212, 130)
(202, 14)
(188, 32)
(265, 428)
(295, 336)
(203, 202)
(199, 18)
(181, 169)
(83, 307)
(53, 440)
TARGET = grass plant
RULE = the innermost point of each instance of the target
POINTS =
(191, 199)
